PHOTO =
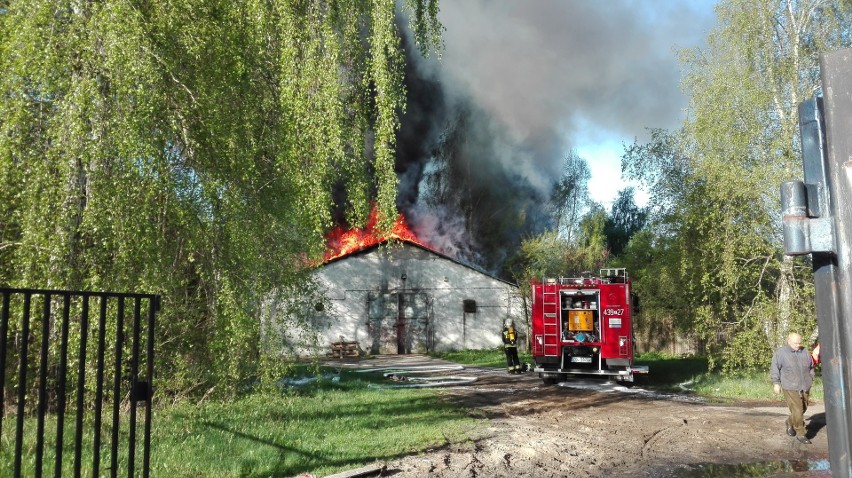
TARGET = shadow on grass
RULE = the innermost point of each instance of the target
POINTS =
(411, 403)
(328, 407)
(671, 374)
(291, 460)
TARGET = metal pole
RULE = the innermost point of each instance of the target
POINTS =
(834, 293)
(818, 221)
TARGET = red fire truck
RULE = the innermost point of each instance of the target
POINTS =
(584, 326)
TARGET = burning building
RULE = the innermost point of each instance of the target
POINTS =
(396, 295)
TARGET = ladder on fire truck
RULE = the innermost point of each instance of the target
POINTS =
(550, 308)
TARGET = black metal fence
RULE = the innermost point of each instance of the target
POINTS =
(58, 350)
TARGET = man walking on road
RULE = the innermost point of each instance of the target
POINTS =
(792, 371)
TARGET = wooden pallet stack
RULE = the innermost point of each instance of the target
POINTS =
(344, 349)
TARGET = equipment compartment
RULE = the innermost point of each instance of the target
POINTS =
(581, 321)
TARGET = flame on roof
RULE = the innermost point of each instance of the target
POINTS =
(341, 242)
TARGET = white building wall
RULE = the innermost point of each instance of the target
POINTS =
(349, 283)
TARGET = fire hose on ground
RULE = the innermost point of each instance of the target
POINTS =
(401, 374)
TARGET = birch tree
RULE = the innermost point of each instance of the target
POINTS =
(190, 148)
(739, 143)
(570, 197)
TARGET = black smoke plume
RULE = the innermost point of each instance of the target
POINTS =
(520, 86)
(463, 185)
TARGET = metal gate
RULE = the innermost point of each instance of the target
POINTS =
(72, 353)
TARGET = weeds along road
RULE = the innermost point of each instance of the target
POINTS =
(594, 428)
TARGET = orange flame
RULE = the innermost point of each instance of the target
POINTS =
(342, 242)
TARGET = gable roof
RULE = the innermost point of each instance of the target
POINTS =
(418, 245)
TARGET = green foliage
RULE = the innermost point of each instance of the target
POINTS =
(624, 220)
(714, 266)
(575, 242)
(541, 256)
(550, 255)
(592, 239)
(189, 149)
(570, 196)
(655, 356)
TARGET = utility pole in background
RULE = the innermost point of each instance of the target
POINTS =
(817, 220)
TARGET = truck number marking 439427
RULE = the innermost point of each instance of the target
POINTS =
(614, 312)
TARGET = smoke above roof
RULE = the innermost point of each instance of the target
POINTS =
(520, 84)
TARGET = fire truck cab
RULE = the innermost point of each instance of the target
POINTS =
(584, 326)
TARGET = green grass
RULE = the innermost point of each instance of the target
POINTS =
(670, 373)
(322, 428)
(691, 375)
(746, 386)
(327, 426)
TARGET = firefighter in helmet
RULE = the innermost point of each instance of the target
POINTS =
(510, 345)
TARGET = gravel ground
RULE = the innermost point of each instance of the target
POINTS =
(595, 428)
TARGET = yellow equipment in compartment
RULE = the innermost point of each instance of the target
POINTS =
(580, 320)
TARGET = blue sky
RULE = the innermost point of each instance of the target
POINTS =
(563, 75)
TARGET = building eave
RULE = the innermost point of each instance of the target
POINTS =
(418, 245)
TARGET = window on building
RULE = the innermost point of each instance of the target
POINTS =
(469, 305)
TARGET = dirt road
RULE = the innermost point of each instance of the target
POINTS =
(594, 428)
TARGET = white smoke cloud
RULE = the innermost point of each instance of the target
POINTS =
(548, 67)
(533, 79)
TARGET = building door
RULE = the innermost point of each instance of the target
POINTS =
(399, 322)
